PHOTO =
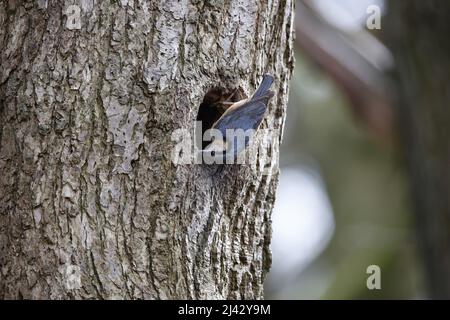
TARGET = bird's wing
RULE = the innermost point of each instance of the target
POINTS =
(247, 116)
(264, 86)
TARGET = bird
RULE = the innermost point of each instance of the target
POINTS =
(240, 118)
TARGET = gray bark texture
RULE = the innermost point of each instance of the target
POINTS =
(419, 38)
(91, 204)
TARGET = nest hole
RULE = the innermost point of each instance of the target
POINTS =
(212, 106)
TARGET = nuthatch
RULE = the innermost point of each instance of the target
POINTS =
(245, 115)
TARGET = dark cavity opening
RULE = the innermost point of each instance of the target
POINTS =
(213, 106)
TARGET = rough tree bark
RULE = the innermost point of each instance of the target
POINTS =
(87, 182)
(418, 35)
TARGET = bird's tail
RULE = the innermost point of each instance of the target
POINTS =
(264, 86)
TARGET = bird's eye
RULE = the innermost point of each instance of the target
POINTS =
(213, 153)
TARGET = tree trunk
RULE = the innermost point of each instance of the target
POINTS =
(419, 32)
(91, 203)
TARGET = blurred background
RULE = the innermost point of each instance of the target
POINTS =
(348, 195)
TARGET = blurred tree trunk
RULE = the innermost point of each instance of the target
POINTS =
(91, 205)
(419, 34)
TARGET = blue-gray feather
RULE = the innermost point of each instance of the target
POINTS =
(264, 86)
(249, 115)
